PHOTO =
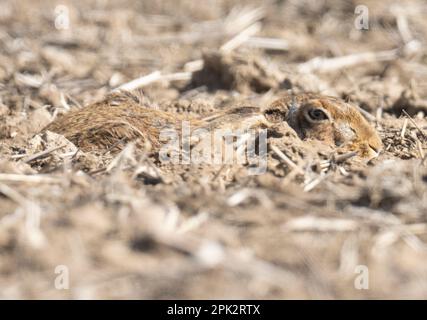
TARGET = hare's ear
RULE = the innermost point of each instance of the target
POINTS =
(277, 111)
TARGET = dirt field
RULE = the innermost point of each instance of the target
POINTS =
(96, 225)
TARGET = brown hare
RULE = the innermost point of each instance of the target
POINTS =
(123, 117)
(328, 119)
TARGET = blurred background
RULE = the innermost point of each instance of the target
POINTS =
(79, 228)
(84, 48)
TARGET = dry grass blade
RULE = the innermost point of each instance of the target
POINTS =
(415, 124)
(153, 77)
(32, 81)
(310, 185)
(344, 157)
(314, 223)
(404, 126)
(140, 82)
(178, 76)
(420, 149)
(239, 18)
(241, 38)
(267, 43)
(337, 63)
(402, 23)
(126, 154)
(37, 178)
(286, 159)
(12, 194)
(42, 154)
(193, 66)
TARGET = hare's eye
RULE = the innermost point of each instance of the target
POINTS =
(317, 114)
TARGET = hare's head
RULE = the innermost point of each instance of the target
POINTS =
(327, 119)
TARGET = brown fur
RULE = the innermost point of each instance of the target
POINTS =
(119, 118)
(123, 117)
